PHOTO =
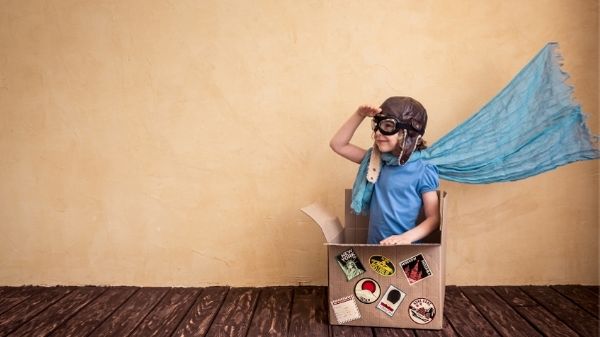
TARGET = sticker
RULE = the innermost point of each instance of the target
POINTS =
(415, 269)
(350, 264)
(391, 300)
(345, 309)
(421, 311)
(367, 290)
(382, 265)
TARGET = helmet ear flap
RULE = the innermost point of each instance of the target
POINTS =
(417, 126)
(408, 147)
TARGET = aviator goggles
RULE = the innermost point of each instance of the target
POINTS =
(390, 125)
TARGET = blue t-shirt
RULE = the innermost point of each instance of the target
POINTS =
(396, 200)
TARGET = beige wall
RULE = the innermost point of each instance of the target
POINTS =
(172, 142)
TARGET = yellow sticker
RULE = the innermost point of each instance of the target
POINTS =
(382, 265)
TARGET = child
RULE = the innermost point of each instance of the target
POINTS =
(401, 187)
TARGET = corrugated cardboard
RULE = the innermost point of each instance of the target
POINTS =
(422, 294)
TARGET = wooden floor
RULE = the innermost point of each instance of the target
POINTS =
(282, 311)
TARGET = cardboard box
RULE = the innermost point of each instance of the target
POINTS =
(382, 286)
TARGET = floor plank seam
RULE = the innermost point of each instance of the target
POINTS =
(148, 313)
(532, 323)
(76, 312)
(15, 304)
(289, 325)
(254, 306)
(449, 322)
(112, 312)
(185, 314)
(549, 309)
(216, 313)
(483, 315)
(525, 318)
(70, 289)
(545, 308)
(575, 302)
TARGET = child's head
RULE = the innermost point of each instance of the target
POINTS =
(401, 125)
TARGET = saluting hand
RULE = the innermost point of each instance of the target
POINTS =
(368, 110)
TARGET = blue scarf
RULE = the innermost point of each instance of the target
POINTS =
(531, 126)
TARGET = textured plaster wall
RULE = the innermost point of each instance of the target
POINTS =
(172, 142)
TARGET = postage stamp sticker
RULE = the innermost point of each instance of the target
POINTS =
(345, 309)
(415, 269)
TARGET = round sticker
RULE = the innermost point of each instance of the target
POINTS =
(382, 265)
(367, 290)
(421, 311)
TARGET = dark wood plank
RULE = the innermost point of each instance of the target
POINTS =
(351, 331)
(464, 316)
(272, 314)
(90, 317)
(586, 299)
(236, 313)
(198, 320)
(506, 320)
(4, 290)
(123, 321)
(594, 289)
(12, 296)
(282, 311)
(391, 332)
(165, 317)
(514, 296)
(447, 331)
(545, 322)
(309, 313)
(40, 300)
(575, 317)
(59, 312)
(8, 292)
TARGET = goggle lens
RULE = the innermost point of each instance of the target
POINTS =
(386, 125)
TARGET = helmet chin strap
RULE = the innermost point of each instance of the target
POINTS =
(406, 153)
(374, 165)
(404, 136)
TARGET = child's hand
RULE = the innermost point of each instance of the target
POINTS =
(367, 111)
(396, 240)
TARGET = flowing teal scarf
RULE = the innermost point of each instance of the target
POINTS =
(532, 126)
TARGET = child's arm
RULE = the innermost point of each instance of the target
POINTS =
(431, 222)
(340, 143)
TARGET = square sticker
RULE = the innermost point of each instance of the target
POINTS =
(345, 309)
(391, 300)
(415, 269)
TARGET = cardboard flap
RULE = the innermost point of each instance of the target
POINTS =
(329, 223)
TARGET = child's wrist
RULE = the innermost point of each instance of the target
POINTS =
(409, 237)
(360, 113)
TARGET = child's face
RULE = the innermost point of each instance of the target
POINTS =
(390, 143)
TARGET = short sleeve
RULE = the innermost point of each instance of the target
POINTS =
(430, 179)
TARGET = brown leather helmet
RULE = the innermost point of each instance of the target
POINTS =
(412, 117)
